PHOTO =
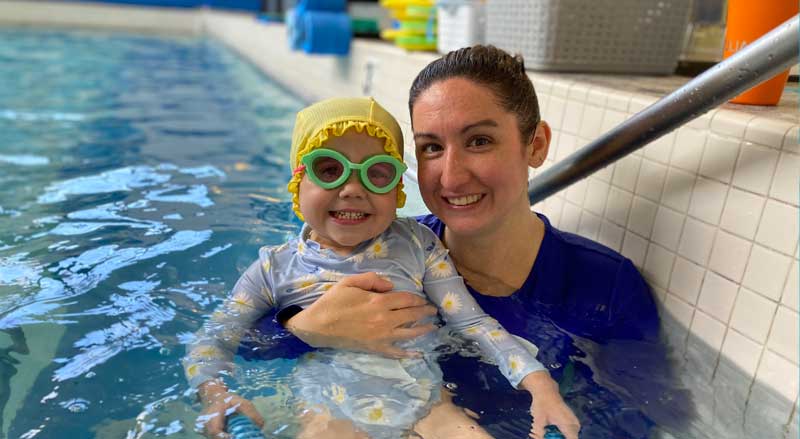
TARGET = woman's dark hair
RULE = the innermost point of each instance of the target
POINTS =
(495, 68)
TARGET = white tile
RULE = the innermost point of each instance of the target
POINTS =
(660, 150)
(567, 143)
(753, 314)
(561, 87)
(778, 228)
(589, 225)
(606, 173)
(634, 248)
(592, 121)
(597, 96)
(626, 172)
(659, 295)
(744, 352)
(778, 374)
(640, 102)
(729, 256)
(680, 310)
(688, 150)
(667, 227)
(696, 241)
(596, 196)
(651, 180)
(786, 184)
(686, 280)
(577, 192)
(790, 140)
(767, 131)
(708, 198)
(702, 122)
(766, 272)
(573, 113)
(643, 213)
(658, 265)
(730, 123)
(578, 92)
(554, 206)
(742, 213)
(619, 101)
(570, 217)
(555, 115)
(783, 338)
(618, 206)
(719, 157)
(717, 296)
(755, 168)
(711, 331)
(612, 118)
(791, 292)
(678, 189)
(611, 235)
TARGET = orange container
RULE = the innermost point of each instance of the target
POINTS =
(747, 21)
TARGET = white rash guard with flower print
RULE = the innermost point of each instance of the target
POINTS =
(379, 394)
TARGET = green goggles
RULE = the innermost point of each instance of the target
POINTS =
(330, 169)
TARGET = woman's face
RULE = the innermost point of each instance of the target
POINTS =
(472, 162)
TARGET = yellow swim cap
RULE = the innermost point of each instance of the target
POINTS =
(315, 124)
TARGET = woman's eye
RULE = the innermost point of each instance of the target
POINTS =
(479, 141)
(430, 148)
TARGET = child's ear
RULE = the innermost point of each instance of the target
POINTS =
(539, 144)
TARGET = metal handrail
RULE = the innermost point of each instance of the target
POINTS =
(759, 61)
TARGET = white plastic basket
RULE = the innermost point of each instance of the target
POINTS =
(461, 23)
(630, 36)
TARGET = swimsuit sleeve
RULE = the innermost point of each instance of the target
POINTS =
(459, 309)
(211, 352)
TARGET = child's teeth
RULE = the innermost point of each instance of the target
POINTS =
(349, 215)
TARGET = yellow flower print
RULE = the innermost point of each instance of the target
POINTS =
(266, 265)
(306, 281)
(241, 302)
(338, 393)
(191, 371)
(515, 363)
(378, 249)
(301, 247)
(417, 281)
(206, 353)
(416, 242)
(441, 269)
(451, 303)
(497, 334)
(472, 331)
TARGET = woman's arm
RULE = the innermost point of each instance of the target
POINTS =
(358, 313)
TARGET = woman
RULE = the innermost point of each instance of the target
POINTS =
(477, 130)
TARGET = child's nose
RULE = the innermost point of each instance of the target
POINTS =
(353, 187)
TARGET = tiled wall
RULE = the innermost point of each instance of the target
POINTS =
(708, 213)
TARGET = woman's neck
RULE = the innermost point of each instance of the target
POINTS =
(497, 263)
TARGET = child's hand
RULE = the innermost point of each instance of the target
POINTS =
(548, 408)
(218, 404)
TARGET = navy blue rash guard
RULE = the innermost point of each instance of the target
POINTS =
(581, 300)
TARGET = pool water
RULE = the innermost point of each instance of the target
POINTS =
(140, 176)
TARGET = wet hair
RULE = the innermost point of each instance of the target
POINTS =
(494, 68)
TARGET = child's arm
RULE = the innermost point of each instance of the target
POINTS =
(211, 354)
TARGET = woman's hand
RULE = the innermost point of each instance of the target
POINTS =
(548, 408)
(358, 314)
(218, 404)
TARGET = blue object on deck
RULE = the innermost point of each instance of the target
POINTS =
(552, 432)
(294, 29)
(326, 32)
(241, 427)
(322, 5)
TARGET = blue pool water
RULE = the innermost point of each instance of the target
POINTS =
(140, 176)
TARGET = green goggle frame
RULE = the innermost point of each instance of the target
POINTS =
(330, 169)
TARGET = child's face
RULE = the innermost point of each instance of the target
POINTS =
(343, 217)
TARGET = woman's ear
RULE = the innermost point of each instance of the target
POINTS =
(540, 142)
